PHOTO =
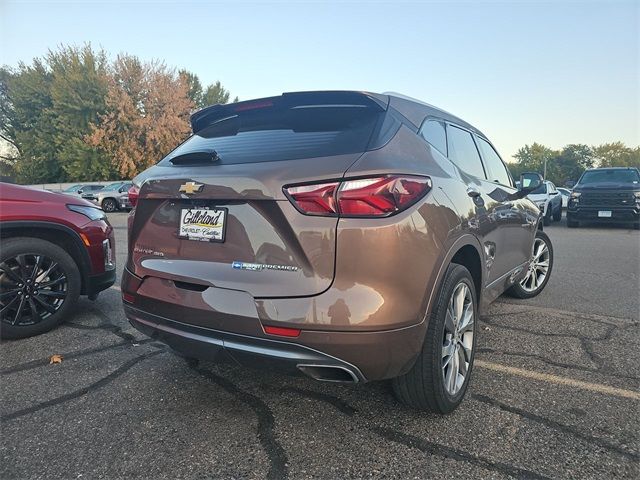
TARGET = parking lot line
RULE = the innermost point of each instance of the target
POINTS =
(558, 380)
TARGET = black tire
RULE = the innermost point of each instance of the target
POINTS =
(548, 217)
(60, 297)
(109, 205)
(557, 216)
(423, 387)
(572, 223)
(518, 290)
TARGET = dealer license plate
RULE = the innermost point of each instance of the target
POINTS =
(604, 214)
(203, 224)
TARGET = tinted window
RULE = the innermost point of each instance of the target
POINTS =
(497, 171)
(434, 133)
(283, 133)
(541, 189)
(609, 176)
(463, 151)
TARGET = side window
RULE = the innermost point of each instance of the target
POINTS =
(433, 132)
(463, 151)
(496, 168)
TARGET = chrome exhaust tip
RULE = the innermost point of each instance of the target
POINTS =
(329, 373)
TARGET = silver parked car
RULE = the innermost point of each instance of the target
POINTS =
(111, 198)
(81, 190)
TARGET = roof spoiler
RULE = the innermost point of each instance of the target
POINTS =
(209, 115)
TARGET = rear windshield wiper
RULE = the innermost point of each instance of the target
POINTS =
(196, 158)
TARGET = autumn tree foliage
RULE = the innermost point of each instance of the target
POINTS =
(147, 115)
(75, 115)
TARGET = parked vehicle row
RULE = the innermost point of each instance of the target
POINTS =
(110, 198)
(601, 195)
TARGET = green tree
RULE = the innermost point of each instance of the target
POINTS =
(194, 87)
(78, 92)
(531, 158)
(27, 121)
(216, 93)
(47, 108)
(617, 154)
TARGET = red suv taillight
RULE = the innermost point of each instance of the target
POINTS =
(133, 193)
(363, 197)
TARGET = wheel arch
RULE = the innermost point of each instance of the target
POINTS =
(466, 251)
(60, 235)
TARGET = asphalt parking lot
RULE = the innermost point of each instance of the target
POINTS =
(555, 394)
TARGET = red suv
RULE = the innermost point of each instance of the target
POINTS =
(54, 248)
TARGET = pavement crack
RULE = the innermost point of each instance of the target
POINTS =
(336, 402)
(21, 367)
(433, 448)
(266, 433)
(82, 391)
(426, 446)
(105, 325)
(606, 336)
(601, 368)
(556, 426)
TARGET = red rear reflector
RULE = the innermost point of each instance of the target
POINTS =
(133, 193)
(282, 331)
(366, 197)
(128, 297)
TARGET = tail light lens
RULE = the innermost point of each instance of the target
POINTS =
(365, 197)
(133, 193)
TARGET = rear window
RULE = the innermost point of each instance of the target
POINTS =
(284, 133)
(610, 176)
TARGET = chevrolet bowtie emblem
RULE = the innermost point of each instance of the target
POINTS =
(190, 187)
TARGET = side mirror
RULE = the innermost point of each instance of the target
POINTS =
(529, 181)
(79, 192)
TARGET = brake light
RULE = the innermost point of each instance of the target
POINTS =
(133, 193)
(315, 199)
(365, 197)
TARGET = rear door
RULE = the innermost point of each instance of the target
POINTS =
(213, 212)
(513, 216)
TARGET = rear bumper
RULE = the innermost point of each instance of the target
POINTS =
(218, 346)
(225, 325)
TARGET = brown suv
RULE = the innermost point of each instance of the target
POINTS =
(350, 236)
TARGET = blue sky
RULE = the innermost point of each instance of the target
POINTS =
(552, 72)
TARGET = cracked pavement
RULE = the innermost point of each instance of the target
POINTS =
(555, 394)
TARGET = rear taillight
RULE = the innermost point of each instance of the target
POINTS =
(133, 193)
(364, 197)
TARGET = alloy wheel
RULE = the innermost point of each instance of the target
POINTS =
(538, 267)
(109, 205)
(32, 288)
(457, 347)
